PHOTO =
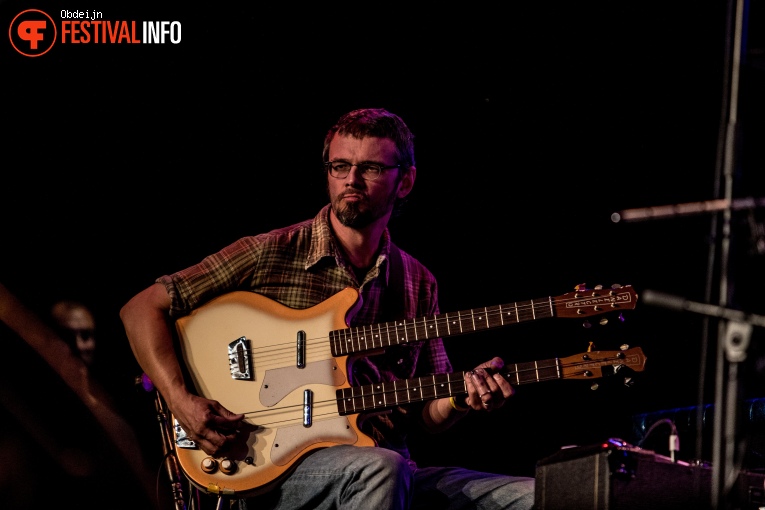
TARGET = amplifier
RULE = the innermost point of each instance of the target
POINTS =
(616, 476)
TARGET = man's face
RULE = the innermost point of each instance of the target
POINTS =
(358, 202)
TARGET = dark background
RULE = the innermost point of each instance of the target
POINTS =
(533, 124)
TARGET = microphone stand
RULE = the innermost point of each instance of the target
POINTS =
(733, 335)
(736, 329)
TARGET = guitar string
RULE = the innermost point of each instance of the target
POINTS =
(427, 383)
(488, 315)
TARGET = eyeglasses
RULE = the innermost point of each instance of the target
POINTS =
(368, 171)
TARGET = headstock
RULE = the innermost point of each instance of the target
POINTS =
(584, 302)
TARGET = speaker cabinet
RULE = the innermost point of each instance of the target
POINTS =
(613, 476)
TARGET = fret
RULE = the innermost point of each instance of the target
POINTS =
(375, 336)
(467, 322)
(383, 397)
(494, 317)
(515, 373)
(478, 320)
(343, 344)
(360, 338)
(400, 392)
(370, 400)
(363, 338)
(349, 341)
(420, 332)
(549, 369)
(450, 384)
(427, 388)
(415, 389)
(333, 341)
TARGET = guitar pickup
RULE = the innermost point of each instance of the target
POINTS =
(239, 359)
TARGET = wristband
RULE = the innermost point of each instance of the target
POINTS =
(456, 406)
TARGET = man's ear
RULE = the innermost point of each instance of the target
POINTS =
(407, 181)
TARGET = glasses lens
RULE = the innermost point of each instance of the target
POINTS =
(339, 169)
(369, 172)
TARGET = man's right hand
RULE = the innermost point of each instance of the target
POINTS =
(206, 422)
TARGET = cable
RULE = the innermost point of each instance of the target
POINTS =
(674, 439)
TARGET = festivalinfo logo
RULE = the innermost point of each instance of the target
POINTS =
(34, 32)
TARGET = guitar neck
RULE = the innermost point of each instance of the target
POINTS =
(369, 397)
(587, 365)
(579, 304)
(377, 336)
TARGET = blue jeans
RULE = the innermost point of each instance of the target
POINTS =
(353, 477)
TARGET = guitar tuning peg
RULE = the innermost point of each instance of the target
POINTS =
(581, 286)
(616, 286)
(621, 317)
(624, 347)
(629, 382)
(594, 386)
(598, 287)
(586, 325)
(603, 321)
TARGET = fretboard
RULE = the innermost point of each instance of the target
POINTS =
(378, 396)
(377, 336)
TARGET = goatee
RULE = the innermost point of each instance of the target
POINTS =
(350, 216)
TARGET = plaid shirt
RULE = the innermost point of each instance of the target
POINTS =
(301, 266)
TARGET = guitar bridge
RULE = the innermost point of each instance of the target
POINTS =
(239, 360)
(181, 438)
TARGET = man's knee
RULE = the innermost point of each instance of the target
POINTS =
(384, 463)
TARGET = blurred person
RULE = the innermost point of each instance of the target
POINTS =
(77, 326)
(63, 440)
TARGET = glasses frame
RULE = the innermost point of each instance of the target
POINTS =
(329, 168)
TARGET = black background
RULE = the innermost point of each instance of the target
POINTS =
(533, 124)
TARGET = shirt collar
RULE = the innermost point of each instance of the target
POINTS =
(323, 243)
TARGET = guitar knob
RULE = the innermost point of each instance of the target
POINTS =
(209, 465)
(227, 466)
